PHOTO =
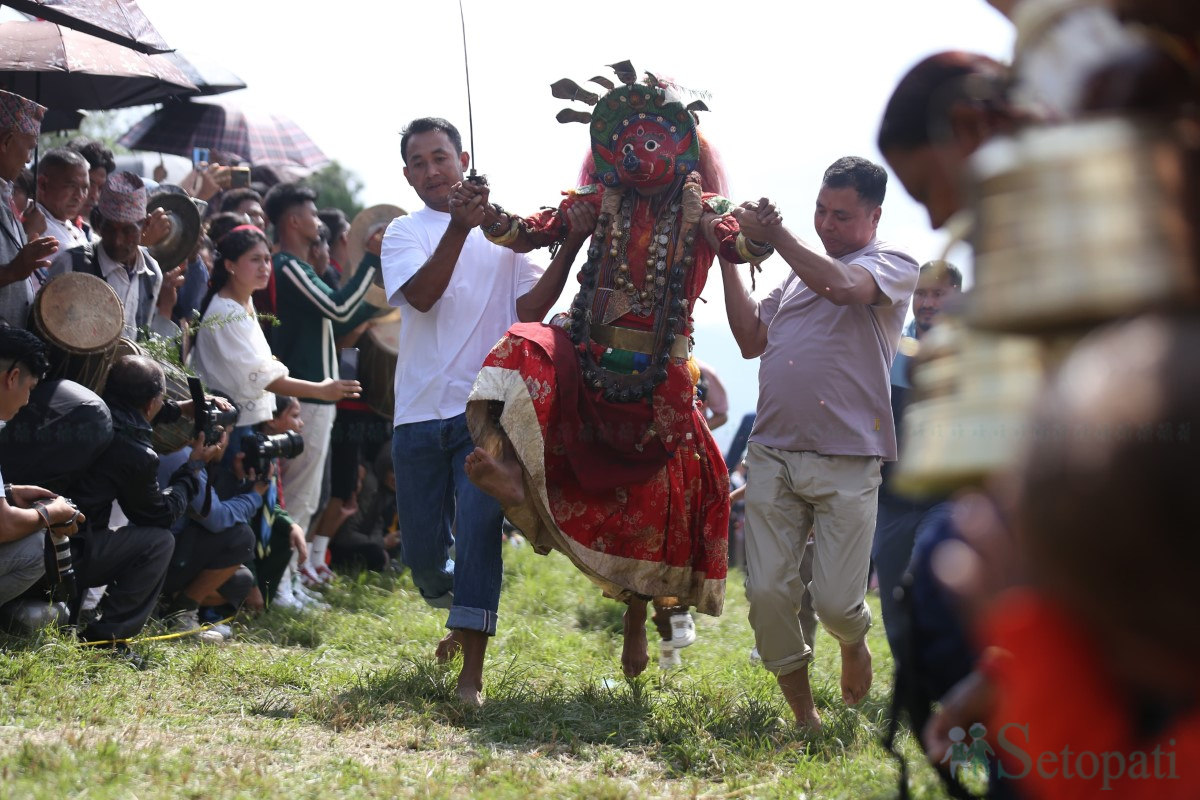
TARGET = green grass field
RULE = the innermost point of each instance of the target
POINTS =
(349, 703)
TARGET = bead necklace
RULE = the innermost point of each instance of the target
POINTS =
(644, 301)
(665, 299)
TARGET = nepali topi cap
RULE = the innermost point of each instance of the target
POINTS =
(19, 114)
(123, 198)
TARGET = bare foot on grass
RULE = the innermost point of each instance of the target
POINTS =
(635, 654)
(500, 479)
(856, 672)
(470, 694)
(798, 693)
(448, 647)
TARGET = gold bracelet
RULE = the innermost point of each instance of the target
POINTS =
(749, 252)
(508, 237)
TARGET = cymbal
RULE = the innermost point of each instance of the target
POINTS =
(185, 229)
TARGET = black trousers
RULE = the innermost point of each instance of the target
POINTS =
(198, 549)
(132, 561)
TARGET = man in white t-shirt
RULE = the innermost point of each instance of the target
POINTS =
(459, 293)
(827, 336)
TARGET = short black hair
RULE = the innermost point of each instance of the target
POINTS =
(220, 224)
(20, 348)
(97, 155)
(867, 178)
(235, 197)
(919, 107)
(425, 125)
(283, 197)
(943, 270)
(134, 381)
(61, 157)
(335, 221)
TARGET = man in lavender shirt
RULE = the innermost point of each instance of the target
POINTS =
(827, 336)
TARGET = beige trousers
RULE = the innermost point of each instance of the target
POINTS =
(788, 495)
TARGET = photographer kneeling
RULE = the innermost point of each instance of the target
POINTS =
(133, 560)
(25, 511)
(213, 541)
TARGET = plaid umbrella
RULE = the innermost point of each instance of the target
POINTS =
(68, 70)
(117, 21)
(253, 135)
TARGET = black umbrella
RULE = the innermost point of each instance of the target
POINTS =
(118, 21)
(210, 76)
(68, 70)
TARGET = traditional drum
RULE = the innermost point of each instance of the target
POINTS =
(367, 222)
(377, 365)
(80, 318)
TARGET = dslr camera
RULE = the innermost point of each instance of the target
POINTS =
(207, 415)
(261, 450)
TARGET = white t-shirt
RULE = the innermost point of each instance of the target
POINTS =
(236, 359)
(442, 349)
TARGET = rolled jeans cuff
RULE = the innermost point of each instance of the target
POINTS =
(472, 619)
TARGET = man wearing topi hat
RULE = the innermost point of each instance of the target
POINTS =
(119, 259)
(20, 123)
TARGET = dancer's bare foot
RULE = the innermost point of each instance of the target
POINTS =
(448, 647)
(501, 479)
(856, 672)
(469, 695)
(798, 693)
(470, 680)
(634, 652)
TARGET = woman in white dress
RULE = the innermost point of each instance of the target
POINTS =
(232, 355)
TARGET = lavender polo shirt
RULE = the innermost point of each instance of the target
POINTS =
(823, 381)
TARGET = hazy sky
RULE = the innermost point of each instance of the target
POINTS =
(791, 88)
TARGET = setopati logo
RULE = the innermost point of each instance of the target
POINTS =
(1020, 763)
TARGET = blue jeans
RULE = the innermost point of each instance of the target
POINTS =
(439, 507)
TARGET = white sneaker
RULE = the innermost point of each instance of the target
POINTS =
(755, 658)
(224, 631)
(668, 656)
(305, 597)
(285, 598)
(184, 621)
(683, 630)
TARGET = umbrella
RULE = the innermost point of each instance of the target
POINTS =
(68, 70)
(117, 21)
(210, 77)
(257, 136)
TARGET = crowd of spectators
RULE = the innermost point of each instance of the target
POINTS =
(193, 528)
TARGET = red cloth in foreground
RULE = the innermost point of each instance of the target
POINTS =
(1063, 728)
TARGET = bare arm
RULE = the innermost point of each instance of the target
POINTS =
(841, 284)
(748, 329)
(428, 285)
(534, 305)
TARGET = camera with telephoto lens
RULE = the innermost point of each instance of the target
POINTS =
(261, 450)
(209, 418)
